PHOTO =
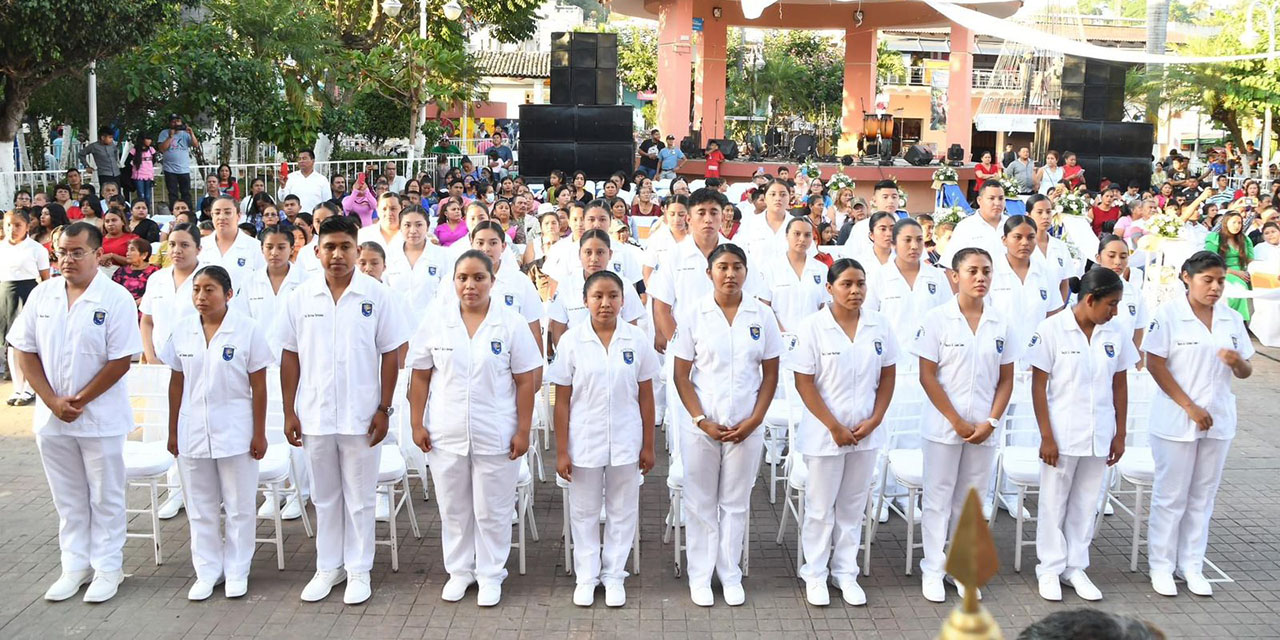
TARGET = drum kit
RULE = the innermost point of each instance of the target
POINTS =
(878, 141)
(797, 139)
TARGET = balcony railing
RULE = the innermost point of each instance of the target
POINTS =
(982, 79)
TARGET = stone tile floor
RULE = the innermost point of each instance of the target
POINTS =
(152, 601)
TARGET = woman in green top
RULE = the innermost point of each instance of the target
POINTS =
(1234, 246)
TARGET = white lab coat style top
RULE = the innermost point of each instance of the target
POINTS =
(417, 283)
(471, 407)
(241, 260)
(1024, 302)
(216, 417)
(903, 305)
(605, 429)
(871, 265)
(1057, 261)
(563, 259)
(847, 374)
(762, 243)
(968, 365)
(74, 344)
(262, 302)
(683, 277)
(1191, 352)
(974, 231)
(373, 233)
(511, 288)
(726, 358)
(22, 261)
(167, 302)
(569, 306)
(795, 297)
(1133, 313)
(1081, 370)
(340, 348)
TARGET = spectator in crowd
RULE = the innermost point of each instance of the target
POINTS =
(175, 144)
(227, 184)
(1072, 172)
(52, 217)
(670, 159)
(1008, 156)
(361, 202)
(337, 189)
(115, 240)
(395, 183)
(648, 152)
(309, 185)
(140, 222)
(106, 156)
(1048, 175)
(137, 269)
(142, 167)
(1022, 171)
(1252, 157)
(715, 158)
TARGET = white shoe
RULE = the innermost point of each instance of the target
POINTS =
(1083, 585)
(455, 589)
(103, 587)
(202, 589)
(584, 595)
(987, 510)
(1007, 503)
(490, 595)
(292, 508)
(1107, 509)
(734, 595)
(1050, 588)
(268, 509)
(68, 585)
(1163, 584)
(817, 595)
(171, 506)
(358, 589)
(932, 589)
(883, 515)
(236, 588)
(615, 595)
(382, 510)
(1197, 584)
(960, 587)
(702, 596)
(321, 584)
(851, 592)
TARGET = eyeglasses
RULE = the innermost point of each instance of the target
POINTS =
(75, 255)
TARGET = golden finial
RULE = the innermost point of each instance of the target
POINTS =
(972, 562)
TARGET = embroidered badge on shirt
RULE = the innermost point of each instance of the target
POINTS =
(228, 353)
(496, 347)
(1154, 324)
(1133, 309)
(431, 270)
(755, 332)
(510, 300)
(999, 345)
(617, 267)
(240, 261)
(879, 348)
(1235, 343)
(628, 356)
(366, 308)
(1044, 294)
(1109, 349)
(817, 279)
(933, 288)
(1060, 262)
(100, 317)
(919, 333)
(1035, 337)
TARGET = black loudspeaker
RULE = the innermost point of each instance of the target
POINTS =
(582, 58)
(587, 64)
(601, 159)
(1071, 105)
(541, 158)
(584, 87)
(606, 56)
(1125, 169)
(547, 123)
(691, 147)
(595, 139)
(560, 59)
(560, 40)
(602, 123)
(918, 156)
(1094, 138)
(561, 85)
(728, 147)
(606, 87)
(1092, 89)
(1131, 139)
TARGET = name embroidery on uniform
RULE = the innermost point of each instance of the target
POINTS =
(879, 348)
(496, 347)
(999, 345)
(366, 308)
(510, 300)
(228, 353)
(755, 332)
(240, 261)
(628, 356)
(1109, 349)
(100, 317)
(933, 288)
(1133, 309)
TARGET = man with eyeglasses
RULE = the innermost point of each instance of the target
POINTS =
(74, 341)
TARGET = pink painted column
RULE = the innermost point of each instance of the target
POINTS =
(960, 90)
(859, 85)
(709, 79)
(675, 66)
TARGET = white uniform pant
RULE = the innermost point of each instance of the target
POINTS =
(1068, 510)
(950, 470)
(718, 478)
(476, 494)
(87, 480)
(618, 487)
(301, 465)
(1186, 484)
(344, 483)
(215, 484)
(835, 505)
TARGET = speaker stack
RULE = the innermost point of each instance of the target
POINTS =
(1092, 89)
(583, 128)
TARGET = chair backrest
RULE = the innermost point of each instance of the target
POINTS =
(1019, 426)
(148, 386)
(275, 409)
(905, 412)
(626, 196)
(1142, 387)
(736, 190)
(697, 184)
(662, 187)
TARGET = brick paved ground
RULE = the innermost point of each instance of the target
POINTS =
(152, 601)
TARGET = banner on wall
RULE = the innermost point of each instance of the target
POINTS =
(938, 82)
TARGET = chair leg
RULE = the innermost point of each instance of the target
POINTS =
(408, 501)
(392, 529)
(528, 515)
(568, 540)
(991, 522)
(1017, 538)
(297, 492)
(799, 530)
(786, 509)
(520, 498)
(911, 529)
(676, 509)
(1137, 527)
(275, 517)
(635, 551)
(746, 545)
(866, 537)
(155, 520)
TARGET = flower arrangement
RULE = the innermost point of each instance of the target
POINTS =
(1070, 204)
(945, 175)
(1165, 225)
(953, 214)
(810, 168)
(1011, 187)
(840, 181)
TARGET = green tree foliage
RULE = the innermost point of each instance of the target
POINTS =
(1178, 11)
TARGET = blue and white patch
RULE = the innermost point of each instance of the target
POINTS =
(1035, 337)
(241, 262)
(1235, 343)
(1060, 262)
(509, 299)
(100, 317)
(817, 279)
(999, 345)
(228, 353)
(1109, 349)
(755, 332)
(628, 356)
(791, 345)
(1044, 294)
(1154, 325)
(879, 348)
(933, 288)
(496, 347)
(919, 333)
(431, 270)
(1133, 309)
(617, 267)
(366, 308)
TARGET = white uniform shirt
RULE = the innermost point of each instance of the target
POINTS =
(311, 190)
(794, 298)
(1133, 314)
(974, 231)
(1057, 262)
(726, 358)
(563, 259)
(22, 261)
(604, 411)
(471, 407)
(846, 373)
(373, 233)
(166, 302)
(1191, 352)
(73, 345)
(264, 304)
(1025, 302)
(762, 243)
(658, 246)
(902, 305)
(684, 277)
(242, 259)
(860, 234)
(871, 264)
(418, 283)
(216, 417)
(1081, 371)
(308, 260)
(968, 366)
(569, 307)
(511, 288)
(340, 348)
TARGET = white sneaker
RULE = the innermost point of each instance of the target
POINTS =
(1107, 509)
(702, 596)
(932, 589)
(171, 506)
(103, 587)
(490, 595)
(358, 589)
(883, 515)
(236, 588)
(615, 595)
(382, 510)
(584, 595)
(321, 584)
(1008, 504)
(202, 589)
(817, 595)
(960, 587)
(851, 592)
(455, 589)
(68, 585)
(1050, 588)
(1083, 585)
(292, 508)
(1163, 584)
(987, 510)
(1197, 584)
(268, 509)
(734, 595)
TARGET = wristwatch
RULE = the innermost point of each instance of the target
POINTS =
(697, 420)
(994, 422)
(387, 410)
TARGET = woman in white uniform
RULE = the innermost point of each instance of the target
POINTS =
(966, 370)
(1021, 290)
(881, 251)
(218, 429)
(1080, 393)
(906, 288)
(1052, 254)
(568, 309)
(509, 287)
(476, 370)
(726, 370)
(414, 271)
(603, 373)
(1133, 315)
(1194, 346)
(844, 369)
(24, 263)
(795, 279)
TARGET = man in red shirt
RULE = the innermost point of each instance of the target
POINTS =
(714, 159)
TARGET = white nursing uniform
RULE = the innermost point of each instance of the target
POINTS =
(904, 305)
(1134, 314)
(795, 296)
(1024, 301)
(417, 283)
(166, 302)
(975, 232)
(569, 307)
(241, 259)
(265, 305)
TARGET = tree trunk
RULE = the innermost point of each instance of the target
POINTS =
(225, 141)
(1157, 32)
(414, 125)
(12, 109)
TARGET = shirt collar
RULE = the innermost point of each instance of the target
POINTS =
(748, 304)
(587, 334)
(360, 285)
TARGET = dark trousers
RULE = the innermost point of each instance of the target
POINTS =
(179, 186)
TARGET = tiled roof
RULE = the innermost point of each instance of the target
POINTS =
(514, 64)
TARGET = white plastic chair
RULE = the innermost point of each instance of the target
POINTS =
(780, 420)
(147, 463)
(568, 537)
(415, 460)
(627, 197)
(903, 458)
(1018, 463)
(735, 191)
(697, 184)
(393, 482)
(662, 188)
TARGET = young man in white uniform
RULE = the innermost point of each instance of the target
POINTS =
(75, 339)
